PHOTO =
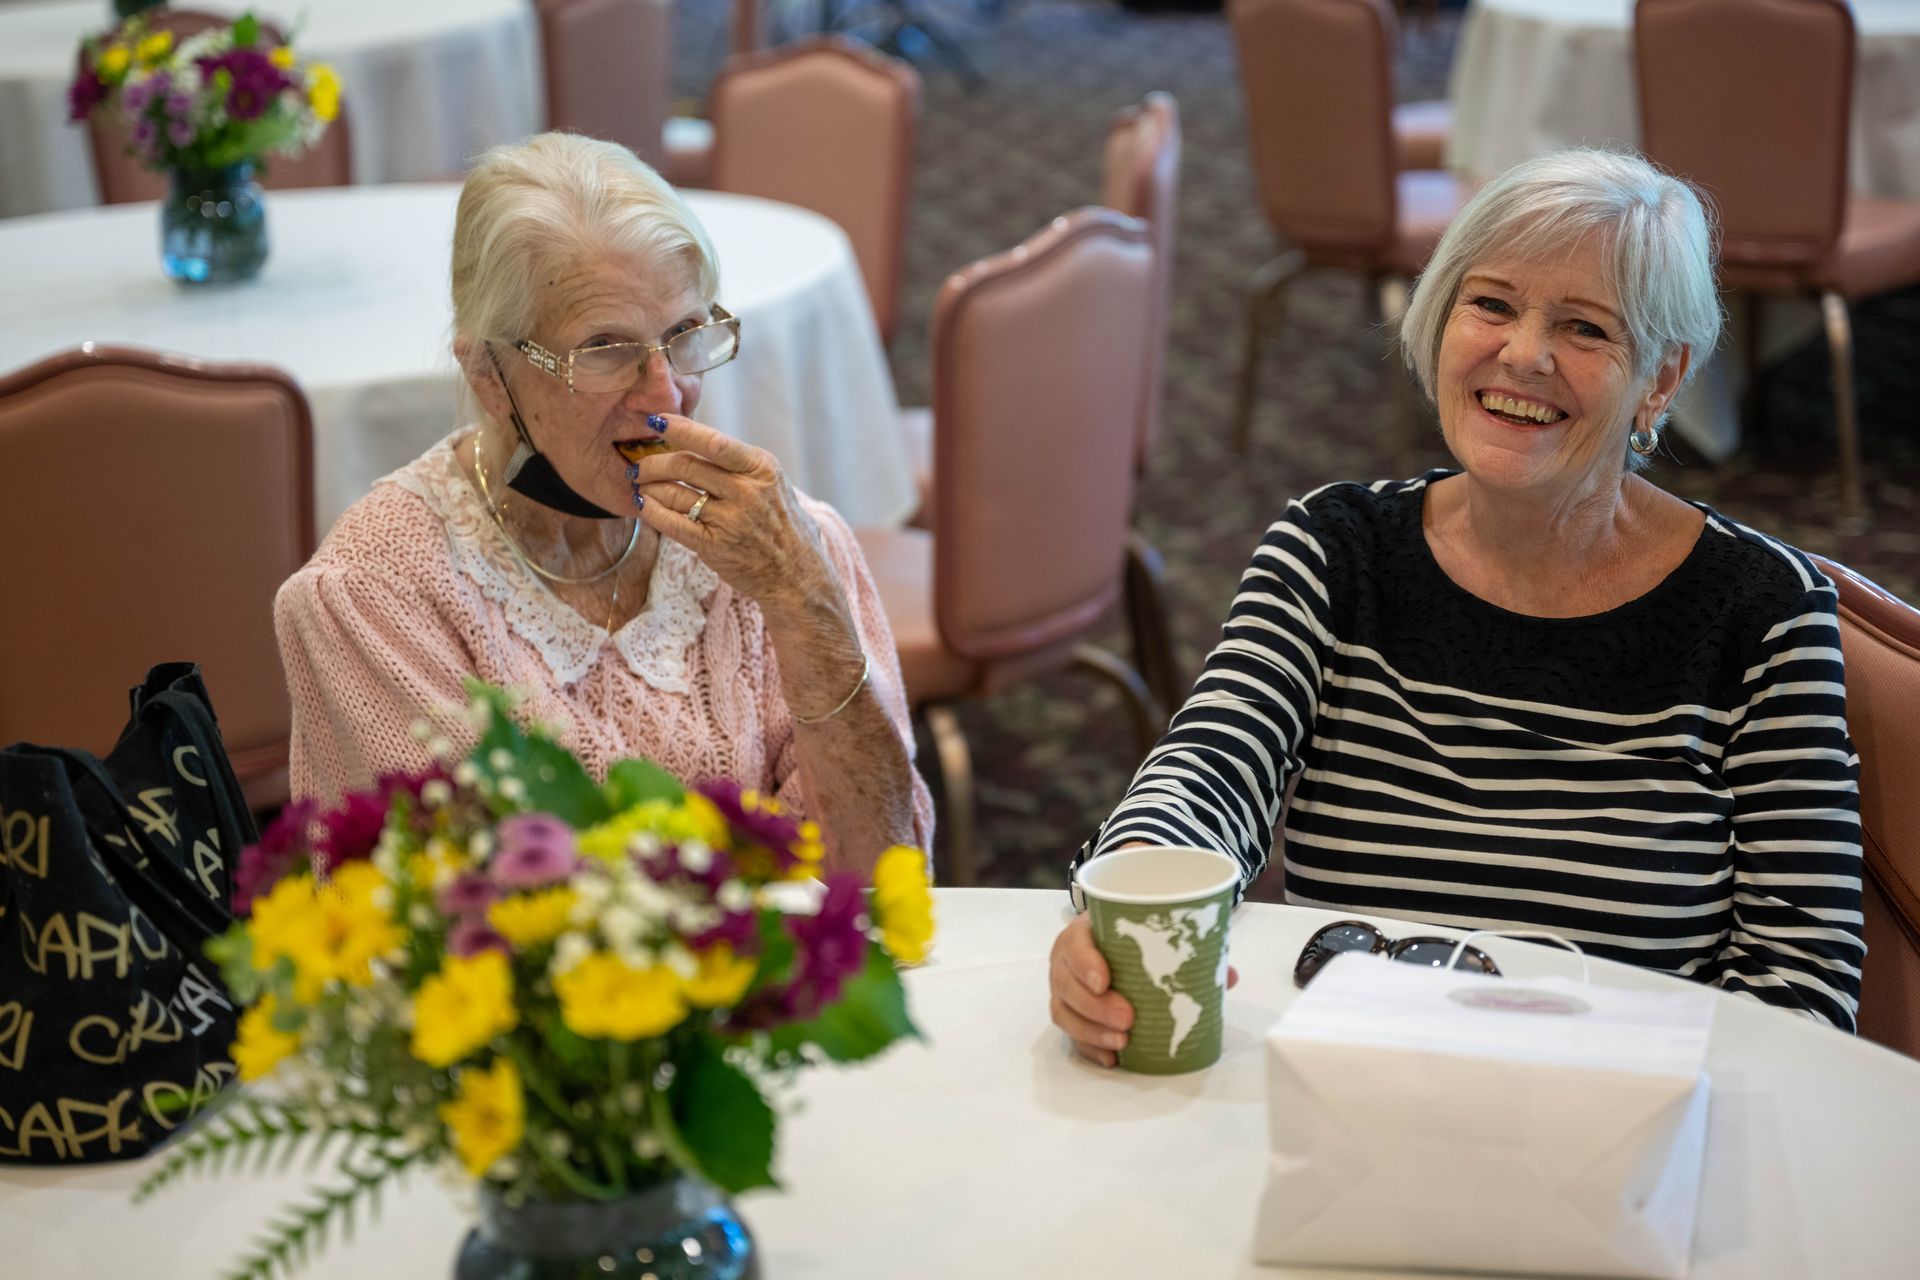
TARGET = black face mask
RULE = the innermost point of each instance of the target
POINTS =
(531, 475)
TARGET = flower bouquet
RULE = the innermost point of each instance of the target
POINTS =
(206, 110)
(576, 995)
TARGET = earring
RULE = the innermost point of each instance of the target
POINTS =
(1644, 441)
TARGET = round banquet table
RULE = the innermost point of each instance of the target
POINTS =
(353, 302)
(428, 84)
(1532, 76)
(988, 1150)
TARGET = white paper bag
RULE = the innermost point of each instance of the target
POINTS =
(1427, 1118)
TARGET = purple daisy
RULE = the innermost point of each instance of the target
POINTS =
(777, 833)
(471, 937)
(468, 894)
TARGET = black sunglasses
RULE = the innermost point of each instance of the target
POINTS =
(1343, 936)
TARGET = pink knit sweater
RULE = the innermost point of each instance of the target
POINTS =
(415, 589)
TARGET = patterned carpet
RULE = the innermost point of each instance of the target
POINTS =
(994, 165)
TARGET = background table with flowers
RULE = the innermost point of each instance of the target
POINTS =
(428, 84)
(986, 1150)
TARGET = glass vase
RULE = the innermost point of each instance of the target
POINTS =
(213, 225)
(679, 1230)
(124, 9)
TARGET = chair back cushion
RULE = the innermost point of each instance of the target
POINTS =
(772, 115)
(1141, 178)
(1319, 82)
(150, 506)
(1760, 123)
(124, 180)
(608, 70)
(1880, 636)
(1036, 404)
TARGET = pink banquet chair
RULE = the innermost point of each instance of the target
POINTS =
(1880, 636)
(608, 67)
(1762, 126)
(1319, 82)
(124, 180)
(1014, 577)
(152, 505)
(770, 112)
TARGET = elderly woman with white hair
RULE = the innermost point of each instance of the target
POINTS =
(654, 586)
(1536, 692)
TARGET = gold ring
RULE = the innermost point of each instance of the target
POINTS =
(693, 512)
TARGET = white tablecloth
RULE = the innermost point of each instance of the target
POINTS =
(990, 1152)
(353, 302)
(428, 83)
(1531, 76)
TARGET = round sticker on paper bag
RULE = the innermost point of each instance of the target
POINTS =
(1507, 999)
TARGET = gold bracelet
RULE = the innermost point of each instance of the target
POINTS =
(866, 669)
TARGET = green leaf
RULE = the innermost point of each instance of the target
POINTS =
(725, 1123)
(870, 1015)
(555, 782)
(246, 31)
(632, 782)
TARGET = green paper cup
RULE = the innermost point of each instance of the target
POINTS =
(1160, 919)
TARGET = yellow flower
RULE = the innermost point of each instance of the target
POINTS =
(487, 1116)
(903, 903)
(459, 1009)
(529, 919)
(329, 931)
(323, 91)
(691, 818)
(603, 997)
(811, 851)
(153, 49)
(113, 62)
(722, 978)
(439, 862)
(281, 57)
(261, 1045)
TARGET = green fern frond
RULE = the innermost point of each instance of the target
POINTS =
(301, 1229)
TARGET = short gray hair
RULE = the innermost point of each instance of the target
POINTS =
(529, 206)
(1656, 241)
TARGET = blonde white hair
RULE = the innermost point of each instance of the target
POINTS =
(529, 207)
(1655, 236)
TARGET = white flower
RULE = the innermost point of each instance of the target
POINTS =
(440, 747)
(500, 760)
(681, 961)
(420, 730)
(466, 774)
(437, 792)
(558, 1144)
(621, 925)
(696, 857)
(636, 955)
(734, 895)
(513, 789)
(420, 916)
(569, 950)
(647, 1146)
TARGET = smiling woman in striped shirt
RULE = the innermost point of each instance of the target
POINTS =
(1537, 692)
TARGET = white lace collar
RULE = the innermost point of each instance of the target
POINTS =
(654, 643)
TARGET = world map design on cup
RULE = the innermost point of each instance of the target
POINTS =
(1160, 919)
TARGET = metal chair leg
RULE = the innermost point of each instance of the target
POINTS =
(956, 788)
(1268, 281)
(1147, 720)
(1149, 622)
(1833, 309)
(1390, 295)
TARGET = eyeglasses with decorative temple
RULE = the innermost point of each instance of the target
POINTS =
(616, 366)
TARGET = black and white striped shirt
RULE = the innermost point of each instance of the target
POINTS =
(1669, 783)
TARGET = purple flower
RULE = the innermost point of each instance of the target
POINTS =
(137, 96)
(471, 937)
(832, 947)
(777, 833)
(349, 832)
(738, 929)
(84, 94)
(180, 132)
(253, 81)
(177, 104)
(282, 846)
(468, 894)
(667, 866)
(534, 849)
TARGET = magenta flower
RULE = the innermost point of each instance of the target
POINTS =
(177, 104)
(777, 833)
(738, 929)
(534, 849)
(180, 132)
(349, 833)
(667, 866)
(281, 848)
(468, 894)
(832, 947)
(471, 937)
(84, 94)
(253, 81)
(138, 96)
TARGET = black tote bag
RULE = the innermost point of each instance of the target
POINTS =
(114, 873)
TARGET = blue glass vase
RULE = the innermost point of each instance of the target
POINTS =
(678, 1230)
(213, 225)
